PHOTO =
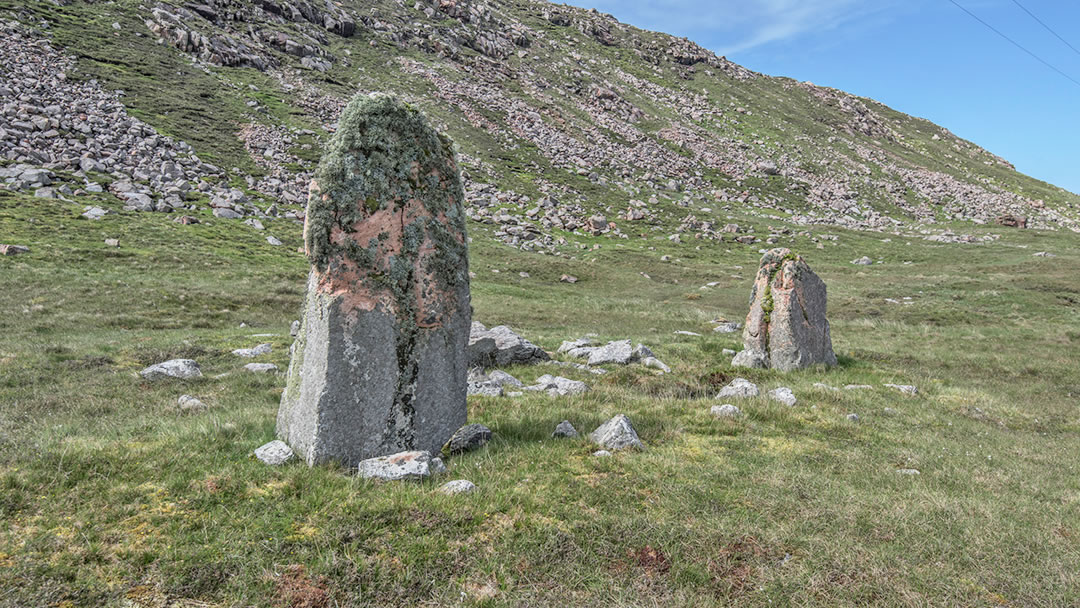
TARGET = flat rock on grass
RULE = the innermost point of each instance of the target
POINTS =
(403, 465)
(739, 387)
(783, 395)
(484, 389)
(458, 486)
(13, 249)
(261, 368)
(275, 453)
(619, 352)
(503, 379)
(907, 389)
(173, 368)
(467, 438)
(250, 353)
(617, 434)
(559, 386)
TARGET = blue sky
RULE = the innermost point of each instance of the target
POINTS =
(922, 57)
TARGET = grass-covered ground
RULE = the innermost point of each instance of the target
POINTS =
(109, 497)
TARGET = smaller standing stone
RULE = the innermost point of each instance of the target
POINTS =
(275, 453)
(739, 387)
(564, 430)
(294, 328)
(725, 411)
(189, 404)
(783, 395)
(617, 434)
(174, 368)
(403, 465)
(458, 486)
(467, 438)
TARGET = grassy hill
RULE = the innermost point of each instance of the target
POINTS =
(111, 497)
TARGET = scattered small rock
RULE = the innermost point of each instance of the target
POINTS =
(273, 240)
(617, 434)
(655, 363)
(174, 368)
(275, 453)
(908, 471)
(190, 405)
(739, 387)
(250, 353)
(853, 417)
(261, 368)
(484, 389)
(863, 261)
(466, 439)
(559, 386)
(856, 387)
(564, 430)
(94, 213)
(783, 395)
(725, 411)
(458, 486)
(907, 389)
(727, 328)
(13, 249)
(601, 454)
(566, 278)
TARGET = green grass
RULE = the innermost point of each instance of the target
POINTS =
(111, 498)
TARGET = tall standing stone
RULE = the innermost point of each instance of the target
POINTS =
(379, 364)
(786, 328)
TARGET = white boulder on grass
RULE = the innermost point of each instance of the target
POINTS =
(403, 465)
(783, 395)
(739, 387)
(174, 368)
(617, 434)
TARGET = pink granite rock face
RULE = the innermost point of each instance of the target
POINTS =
(787, 327)
(379, 365)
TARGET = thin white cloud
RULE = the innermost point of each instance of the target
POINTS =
(736, 26)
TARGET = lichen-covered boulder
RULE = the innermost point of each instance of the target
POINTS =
(786, 328)
(379, 364)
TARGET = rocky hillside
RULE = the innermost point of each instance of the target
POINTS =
(570, 124)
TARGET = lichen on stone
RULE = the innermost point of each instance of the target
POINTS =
(384, 154)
